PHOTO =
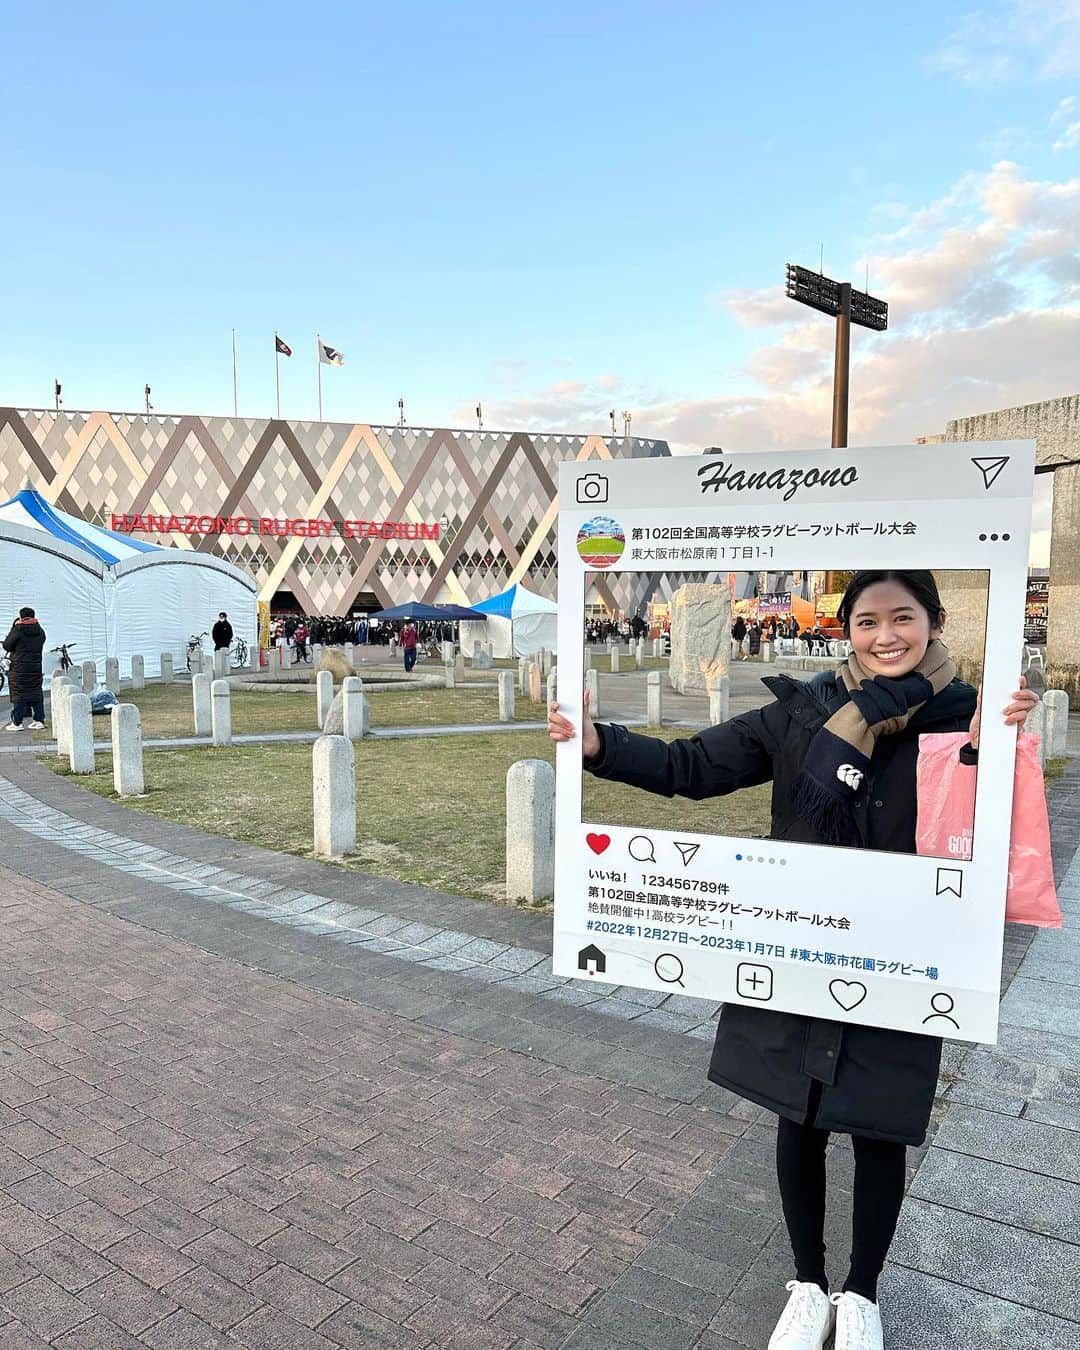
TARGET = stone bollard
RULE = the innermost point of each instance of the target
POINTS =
(273, 660)
(506, 696)
(720, 701)
(550, 692)
(545, 661)
(654, 698)
(112, 674)
(334, 795)
(639, 653)
(530, 830)
(316, 653)
(220, 712)
(324, 696)
(658, 646)
(536, 692)
(766, 651)
(60, 714)
(81, 749)
(592, 688)
(1037, 722)
(614, 660)
(195, 661)
(447, 652)
(138, 673)
(89, 677)
(356, 710)
(1057, 719)
(127, 758)
(221, 663)
(350, 654)
(586, 659)
(450, 675)
(167, 673)
(200, 703)
(523, 675)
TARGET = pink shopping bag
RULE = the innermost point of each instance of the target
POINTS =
(945, 790)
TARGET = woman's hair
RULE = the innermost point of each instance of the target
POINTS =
(921, 586)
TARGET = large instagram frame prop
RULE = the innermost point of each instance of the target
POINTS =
(921, 946)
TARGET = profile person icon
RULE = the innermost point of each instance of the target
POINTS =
(942, 1005)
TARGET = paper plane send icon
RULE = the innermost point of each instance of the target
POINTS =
(990, 466)
(687, 852)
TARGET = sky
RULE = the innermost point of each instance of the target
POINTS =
(556, 210)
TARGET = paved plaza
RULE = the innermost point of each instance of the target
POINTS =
(252, 1100)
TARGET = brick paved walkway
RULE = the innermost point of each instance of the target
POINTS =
(217, 1130)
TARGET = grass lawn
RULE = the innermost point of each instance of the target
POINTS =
(429, 811)
(166, 709)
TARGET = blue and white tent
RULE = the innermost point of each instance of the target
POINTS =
(519, 623)
(110, 594)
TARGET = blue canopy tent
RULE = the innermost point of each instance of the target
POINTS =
(519, 623)
(414, 610)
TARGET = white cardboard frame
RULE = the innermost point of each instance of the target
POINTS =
(964, 518)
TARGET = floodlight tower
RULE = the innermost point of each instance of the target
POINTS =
(848, 306)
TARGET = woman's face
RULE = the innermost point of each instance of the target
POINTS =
(889, 630)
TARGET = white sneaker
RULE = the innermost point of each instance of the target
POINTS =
(858, 1323)
(13, 726)
(35, 726)
(807, 1321)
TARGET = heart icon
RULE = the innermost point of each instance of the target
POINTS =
(598, 842)
(848, 993)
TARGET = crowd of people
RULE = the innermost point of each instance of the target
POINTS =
(622, 630)
(748, 637)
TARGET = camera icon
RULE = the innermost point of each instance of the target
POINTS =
(592, 489)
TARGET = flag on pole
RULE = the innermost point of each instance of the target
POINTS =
(329, 356)
(280, 345)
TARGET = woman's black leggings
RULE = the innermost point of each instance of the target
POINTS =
(879, 1193)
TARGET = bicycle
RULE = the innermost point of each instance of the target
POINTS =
(62, 651)
(239, 653)
(194, 645)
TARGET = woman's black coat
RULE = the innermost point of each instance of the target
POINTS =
(871, 1080)
(25, 643)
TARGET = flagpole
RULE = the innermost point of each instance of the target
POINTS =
(277, 375)
(235, 404)
(318, 368)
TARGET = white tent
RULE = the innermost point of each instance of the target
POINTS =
(111, 595)
(519, 623)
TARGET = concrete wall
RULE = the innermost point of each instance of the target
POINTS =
(964, 597)
(1055, 428)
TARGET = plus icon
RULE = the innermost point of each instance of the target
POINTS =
(754, 981)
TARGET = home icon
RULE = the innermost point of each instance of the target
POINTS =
(591, 960)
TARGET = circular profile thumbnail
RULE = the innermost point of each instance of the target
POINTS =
(601, 541)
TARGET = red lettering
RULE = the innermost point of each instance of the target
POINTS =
(371, 530)
(117, 522)
(266, 525)
(410, 531)
(173, 525)
(347, 529)
(206, 524)
(243, 525)
(430, 531)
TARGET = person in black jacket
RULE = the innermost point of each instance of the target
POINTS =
(222, 633)
(25, 643)
(841, 754)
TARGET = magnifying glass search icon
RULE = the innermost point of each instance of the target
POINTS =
(669, 969)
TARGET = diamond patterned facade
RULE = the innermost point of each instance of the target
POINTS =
(494, 495)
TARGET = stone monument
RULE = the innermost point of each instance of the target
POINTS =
(700, 637)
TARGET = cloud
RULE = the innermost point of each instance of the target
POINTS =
(607, 382)
(1012, 40)
(984, 292)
